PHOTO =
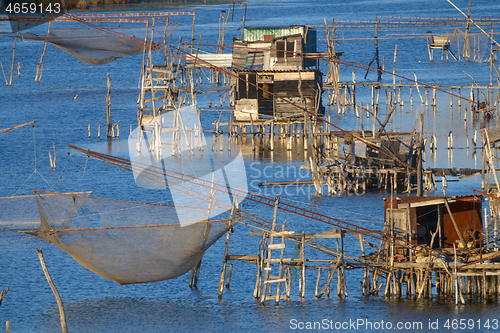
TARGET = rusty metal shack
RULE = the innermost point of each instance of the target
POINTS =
(275, 60)
(457, 220)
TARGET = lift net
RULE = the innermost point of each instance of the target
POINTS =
(127, 242)
(94, 46)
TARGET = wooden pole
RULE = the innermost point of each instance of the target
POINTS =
(374, 120)
(271, 135)
(361, 119)
(453, 221)
(486, 234)
(379, 73)
(418, 90)
(224, 260)
(419, 161)
(108, 108)
(491, 56)
(192, 32)
(6, 82)
(495, 228)
(3, 293)
(38, 66)
(54, 290)
(14, 55)
(303, 294)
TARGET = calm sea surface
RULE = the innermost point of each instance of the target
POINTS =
(95, 304)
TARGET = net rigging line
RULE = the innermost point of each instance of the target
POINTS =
(160, 172)
(34, 164)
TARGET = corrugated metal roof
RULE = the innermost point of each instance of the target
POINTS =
(252, 34)
(218, 60)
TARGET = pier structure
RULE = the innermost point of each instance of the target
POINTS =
(451, 262)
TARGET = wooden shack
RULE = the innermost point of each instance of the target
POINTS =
(272, 64)
(455, 220)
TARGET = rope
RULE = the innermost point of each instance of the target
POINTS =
(18, 240)
(124, 227)
(83, 173)
(34, 145)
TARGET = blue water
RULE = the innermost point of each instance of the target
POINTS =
(94, 304)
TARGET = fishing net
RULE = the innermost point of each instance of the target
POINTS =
(19, 212)
(127, 242)
(97, 47)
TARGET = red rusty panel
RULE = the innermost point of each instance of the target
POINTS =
(466, 211)
(468, 216)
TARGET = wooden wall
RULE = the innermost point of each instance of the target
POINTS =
(285, 85)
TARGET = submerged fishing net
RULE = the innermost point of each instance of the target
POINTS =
(94, 46)
(127, 242)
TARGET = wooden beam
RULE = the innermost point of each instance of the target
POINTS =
(453, 220)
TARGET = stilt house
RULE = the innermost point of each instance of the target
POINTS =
(275, 59)
(453, 220)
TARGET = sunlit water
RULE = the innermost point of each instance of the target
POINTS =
(94, 304)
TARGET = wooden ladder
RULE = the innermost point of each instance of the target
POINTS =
(268, 278)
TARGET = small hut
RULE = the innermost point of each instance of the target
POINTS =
(272, 64)
(437, 222)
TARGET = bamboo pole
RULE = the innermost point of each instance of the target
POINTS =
(54, 290)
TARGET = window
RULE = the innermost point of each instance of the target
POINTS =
(252, 89)
(242, 86)
(290, 47)
(280, 47)
(285, 49)
(247, 89)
